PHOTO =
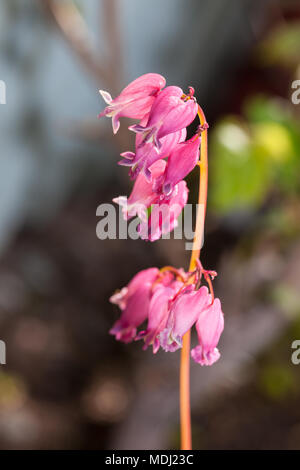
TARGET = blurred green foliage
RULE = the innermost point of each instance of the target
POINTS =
(288, 299)
(276, 381)
(12, 391)
(278, 378)
(282, 46)
(256, 156)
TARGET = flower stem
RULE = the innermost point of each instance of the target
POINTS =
(185, 408)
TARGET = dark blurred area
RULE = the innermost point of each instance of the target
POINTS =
(67, 384)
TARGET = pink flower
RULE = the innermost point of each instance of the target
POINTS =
(184, 313)
(147, 154)
(134, 302)
(172, 306)
(182, 160)
(142, 195)
(210, 325)
(164, 213)
(158, 313)
(169, 113)
(134, 101)
(157, 316)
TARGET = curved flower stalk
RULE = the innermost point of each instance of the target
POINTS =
(170, 300)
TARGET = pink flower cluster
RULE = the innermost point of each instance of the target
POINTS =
(169, 301)
(163, 157)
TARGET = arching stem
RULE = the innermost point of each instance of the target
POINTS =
(185, 408)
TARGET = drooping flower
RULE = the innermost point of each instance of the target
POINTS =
(182, 160)
(146, 154)
(209, 325)
(165, 210)
(170, 112)
(135, 100)
(142, 195)
(157, 316)
(170, 302)
(168, 299)
(134, 301)
(185, 311)
(164, 214)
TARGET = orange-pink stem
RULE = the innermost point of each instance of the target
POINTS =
(185, 407)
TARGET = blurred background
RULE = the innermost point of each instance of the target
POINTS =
(67, 383)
